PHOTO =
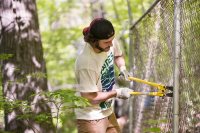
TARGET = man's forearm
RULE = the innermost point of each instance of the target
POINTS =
(98, 97)
(119, 61)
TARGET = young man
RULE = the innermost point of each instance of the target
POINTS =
(94, 70)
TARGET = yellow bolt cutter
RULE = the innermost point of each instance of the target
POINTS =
(162, 89)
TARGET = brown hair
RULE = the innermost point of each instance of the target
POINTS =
(100, 28)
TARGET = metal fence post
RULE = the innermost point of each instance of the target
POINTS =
(130, 65)
(177, 51)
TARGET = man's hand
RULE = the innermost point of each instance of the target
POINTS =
(124, 74)
(123, 93)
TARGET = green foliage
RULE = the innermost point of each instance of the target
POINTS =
(60, 54)
(66, 98)
(64, 101)
(137, 7)
(58, 39)
(50, 11)
(154, 122)
(154, 125)
(37, 75)
(4, 131)
(70, 124)
(154, 129)
(26, 112)
(5, 56)
(2, 57)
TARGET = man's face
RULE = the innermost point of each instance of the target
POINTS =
(106, 43)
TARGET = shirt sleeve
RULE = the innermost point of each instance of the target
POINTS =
(117, 49)
(87, 80)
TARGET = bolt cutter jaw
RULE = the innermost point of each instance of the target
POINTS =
(169, 88)
(169, 94)
(162, 89)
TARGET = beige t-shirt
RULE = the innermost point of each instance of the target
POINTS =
(94, 73)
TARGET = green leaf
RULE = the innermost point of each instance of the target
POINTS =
(154, 129)
(5, 56)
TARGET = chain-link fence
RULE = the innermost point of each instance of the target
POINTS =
(153, 60)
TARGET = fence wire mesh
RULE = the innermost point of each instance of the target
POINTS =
(153, 60)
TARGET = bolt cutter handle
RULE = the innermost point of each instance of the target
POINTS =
(148, 93)
(145, 82)
(162, 88)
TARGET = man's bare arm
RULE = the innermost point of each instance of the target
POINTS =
(119, 61)
(98, 97)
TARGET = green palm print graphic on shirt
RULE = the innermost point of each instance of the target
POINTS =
(107, 78)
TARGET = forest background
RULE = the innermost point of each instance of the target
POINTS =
(61, 23)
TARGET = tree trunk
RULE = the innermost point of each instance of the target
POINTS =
(121, 36)
(22, 72)
(97, 9)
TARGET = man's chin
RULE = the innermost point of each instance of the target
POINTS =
(107, 49)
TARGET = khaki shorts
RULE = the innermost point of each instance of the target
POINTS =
(105, 125)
